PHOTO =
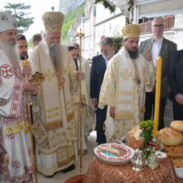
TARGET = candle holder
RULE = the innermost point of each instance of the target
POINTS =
(138, 161)
(152, 161)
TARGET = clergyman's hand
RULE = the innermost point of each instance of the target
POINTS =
(27, 70)
(179, 99)
(94, 101)
(148, 55)
(80, 76)
(32, 87)
(112, 112)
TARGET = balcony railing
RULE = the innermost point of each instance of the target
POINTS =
(146, 26)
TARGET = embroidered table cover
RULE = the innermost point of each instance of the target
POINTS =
(99, 172)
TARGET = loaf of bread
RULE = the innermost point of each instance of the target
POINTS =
(177, 162)
(177, 125)
(134, 139)
(170, 136)
(174, 151)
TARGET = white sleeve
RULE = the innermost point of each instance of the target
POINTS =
(10, 100)
(34, 60)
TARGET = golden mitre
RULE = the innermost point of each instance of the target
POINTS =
(131, 31)
(53, 21)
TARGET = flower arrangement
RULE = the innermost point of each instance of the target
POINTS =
(147, 135)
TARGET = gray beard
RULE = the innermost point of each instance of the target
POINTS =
(107, 57)
(55, 56)
(10, 49)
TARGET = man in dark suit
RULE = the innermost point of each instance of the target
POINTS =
(99, 64)
(176, 84)
(151, 49)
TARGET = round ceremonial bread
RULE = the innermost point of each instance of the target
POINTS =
(134, 139)
(174, 151)
(177, 162)
(177, 125)
(170, 136)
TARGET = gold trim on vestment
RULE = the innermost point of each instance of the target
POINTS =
(125, 101)
(125, 115)
(70, 116)
(125, 74)
(73, 157)
(58, 123)
(54, 125)
(16, 128)
(53, 109)
(52, 115)
(126, 93)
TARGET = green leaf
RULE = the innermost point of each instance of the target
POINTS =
(20, 11)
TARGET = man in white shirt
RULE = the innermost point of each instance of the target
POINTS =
(151, 49)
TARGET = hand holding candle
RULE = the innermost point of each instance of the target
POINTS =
(26, 68)
(157, 95)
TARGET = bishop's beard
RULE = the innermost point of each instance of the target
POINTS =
(55, 56)
(9, 47)
(133, 54)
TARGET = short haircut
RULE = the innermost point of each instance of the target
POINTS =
(20, 37)
(158, 18)
(70, 48)
(106, 41)
(36, 37)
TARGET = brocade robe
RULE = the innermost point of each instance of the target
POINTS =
(54, 126)
(123, 87)
(15, 139)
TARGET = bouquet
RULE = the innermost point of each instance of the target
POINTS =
(147, 134)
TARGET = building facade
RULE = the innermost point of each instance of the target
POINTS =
(69, 5)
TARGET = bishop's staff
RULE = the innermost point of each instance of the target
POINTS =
(80, 35)
(24, 64)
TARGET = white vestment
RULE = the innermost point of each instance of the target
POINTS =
(14, 126)
(123, 87)
(54, 125)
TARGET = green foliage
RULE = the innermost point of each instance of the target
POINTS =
(117, 43)
(70, 19)
(130, 4)
(112, 8)
(30, 43)
(106, 5)
(21, 12)
(146, 134)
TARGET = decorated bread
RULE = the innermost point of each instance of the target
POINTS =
(177, 125)
(170, 136)
(174, 151)
(134, 139)
(177, 162)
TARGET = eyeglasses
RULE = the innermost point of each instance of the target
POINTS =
(158, 25)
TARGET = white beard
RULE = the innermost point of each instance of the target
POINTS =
(55, 56)
(10, 50)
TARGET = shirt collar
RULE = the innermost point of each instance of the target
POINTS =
(158, 41)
